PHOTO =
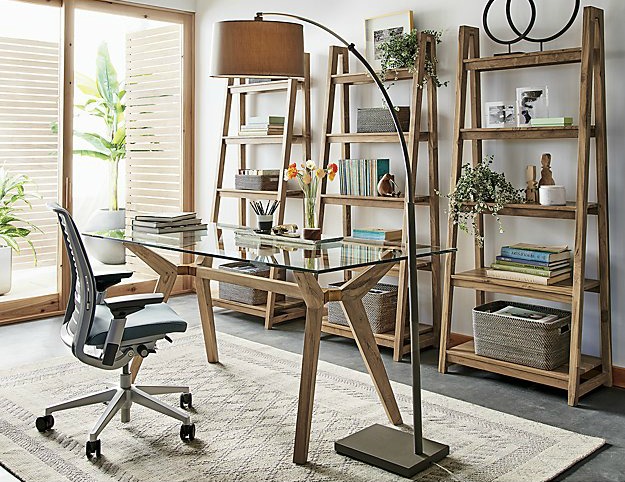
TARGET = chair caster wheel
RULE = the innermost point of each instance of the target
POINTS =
(44, 423)
(186, 401)
(187, 432)
(93, 449)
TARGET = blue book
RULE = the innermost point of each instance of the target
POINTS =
(542, 264)
(534, 255)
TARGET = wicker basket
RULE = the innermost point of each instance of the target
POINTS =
(379, 119)
(251, 182)
(536, 344)
(244, 294)
(380, 305)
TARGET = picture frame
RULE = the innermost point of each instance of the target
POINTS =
(379, 29)
(499, 114)
(531, 102)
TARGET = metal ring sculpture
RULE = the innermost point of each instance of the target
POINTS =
(525, 34)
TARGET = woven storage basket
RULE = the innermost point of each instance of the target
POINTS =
(244, 294)
(380, 305)
(517, 340)
(379, 119)
(251, 182)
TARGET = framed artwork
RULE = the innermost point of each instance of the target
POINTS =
(531, 103)
(499, 114)
(380, 29)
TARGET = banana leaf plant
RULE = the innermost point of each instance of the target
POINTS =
(13, 200)
(105, 100)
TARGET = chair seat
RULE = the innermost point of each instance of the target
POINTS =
(153, 320)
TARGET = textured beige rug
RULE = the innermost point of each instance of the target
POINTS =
(245, 424)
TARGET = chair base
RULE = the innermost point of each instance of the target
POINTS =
(121, 399)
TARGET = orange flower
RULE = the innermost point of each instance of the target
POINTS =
(291, 172)
(332, 170)
(320, 173)
(306, 178)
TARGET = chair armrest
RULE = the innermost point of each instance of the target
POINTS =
(121, 307)
(104, 281)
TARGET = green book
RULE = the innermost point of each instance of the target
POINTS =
(551, 121)
(547, 273)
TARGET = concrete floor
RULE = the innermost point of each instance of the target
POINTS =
(601, 414)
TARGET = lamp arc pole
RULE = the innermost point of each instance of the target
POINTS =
(411, 235)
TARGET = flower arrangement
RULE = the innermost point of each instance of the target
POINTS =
(308, 177)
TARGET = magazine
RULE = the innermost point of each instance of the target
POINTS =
(516, 312)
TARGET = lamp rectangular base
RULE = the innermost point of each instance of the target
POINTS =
(391, 450)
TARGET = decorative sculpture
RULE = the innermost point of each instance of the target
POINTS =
(387, 186)
(546, 176)
(531, 192)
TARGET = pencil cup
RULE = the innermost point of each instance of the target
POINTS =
(265, 222)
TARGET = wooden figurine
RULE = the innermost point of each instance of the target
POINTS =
(531, 192)
(546, 176)
(387, 186)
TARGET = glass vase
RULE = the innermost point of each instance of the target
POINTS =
(310, 216)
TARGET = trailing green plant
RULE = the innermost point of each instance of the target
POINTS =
(105, 100)
(480, 190)
(13, 200)
(401, 51)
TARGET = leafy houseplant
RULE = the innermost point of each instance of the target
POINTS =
(401, 51)
(105, 100)
(480, 190)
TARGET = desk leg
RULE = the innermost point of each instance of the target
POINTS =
(315, 299)
(205, 302)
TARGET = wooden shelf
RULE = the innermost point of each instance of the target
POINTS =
(464, 354)
(286, 310)
(540, 211)
(371, 137)
(477, 279)
(365, 78)
(371, 201)
(272, 139)
(259, 195)
(262, 87)
(524, 133)
(525, 60)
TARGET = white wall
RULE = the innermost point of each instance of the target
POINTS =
(346, 17)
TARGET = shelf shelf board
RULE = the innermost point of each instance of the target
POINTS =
(261, 87)
(477, 279)
(266, 139)
(540, 211)
(248, 194)
(371, 137)
(288, 309)
(382, 339)
(365, 78)
(525, 60)
(464, 354)
(371, 201)
(494, 133)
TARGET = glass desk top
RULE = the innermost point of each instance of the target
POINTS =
(234, 243)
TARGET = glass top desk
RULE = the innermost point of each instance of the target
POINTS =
(220, 242)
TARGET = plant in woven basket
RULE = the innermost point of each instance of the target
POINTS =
(401, 51)
(480, 190)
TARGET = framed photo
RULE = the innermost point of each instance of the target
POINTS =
(380, 29)
(531, 102)
(499, 114)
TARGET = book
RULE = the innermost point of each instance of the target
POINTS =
(163, 217)
(527, 262)
(538, 247)
(551, 121)
(266, 119)
(360, 177)
(172, 229)
(526, 278)
(534, 254)
(378, 234)
(165, 224)
(533, 315)
(547, 273)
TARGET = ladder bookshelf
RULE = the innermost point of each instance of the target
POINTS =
(274, 312)
(583, 373)
(339, 78)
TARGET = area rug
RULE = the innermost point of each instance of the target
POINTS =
(245, 415)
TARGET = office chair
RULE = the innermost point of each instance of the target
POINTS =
(107, 334)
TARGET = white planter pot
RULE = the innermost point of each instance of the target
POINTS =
(6, 268)
(107, 252)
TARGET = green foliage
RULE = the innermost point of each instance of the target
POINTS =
(401, 51)
(481, 190)
(13, 200)
(105, 100)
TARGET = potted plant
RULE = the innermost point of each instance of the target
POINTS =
(104, 99)
(480, 190)
(13, 199)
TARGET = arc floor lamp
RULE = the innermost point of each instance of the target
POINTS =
(259, 48)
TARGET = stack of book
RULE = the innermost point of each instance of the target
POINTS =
(377, 235)
(360, 177)
(530, 263)
(551, 121)
(164, 223)
(263, 125)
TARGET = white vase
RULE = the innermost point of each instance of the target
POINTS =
(105, 251)
(6, 268)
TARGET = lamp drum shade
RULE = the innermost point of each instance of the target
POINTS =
(258, 48)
